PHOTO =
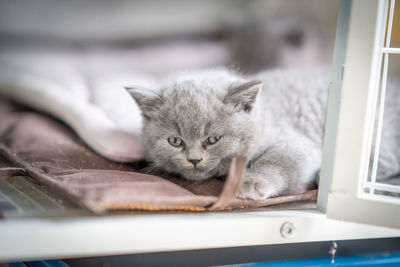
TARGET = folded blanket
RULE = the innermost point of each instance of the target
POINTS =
(46, 150)
(117, 139)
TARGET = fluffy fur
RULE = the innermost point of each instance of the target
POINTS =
(275, 119)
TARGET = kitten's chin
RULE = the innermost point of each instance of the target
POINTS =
(197, 175)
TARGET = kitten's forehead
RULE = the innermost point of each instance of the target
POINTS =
(193, 103)
(193, 113)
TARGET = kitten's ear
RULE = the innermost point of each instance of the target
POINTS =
(147, 100)
(244, 96)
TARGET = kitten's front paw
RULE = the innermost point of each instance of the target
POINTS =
(256, 188)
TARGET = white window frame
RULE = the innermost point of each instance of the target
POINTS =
(351, 117)
(344, 162)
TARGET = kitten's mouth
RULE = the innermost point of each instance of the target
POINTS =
(197, 174)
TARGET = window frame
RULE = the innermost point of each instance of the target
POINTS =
(351, 116)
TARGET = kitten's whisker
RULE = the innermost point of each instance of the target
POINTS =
(148, 169)
(153, 168)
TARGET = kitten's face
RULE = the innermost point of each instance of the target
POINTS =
(196, 132)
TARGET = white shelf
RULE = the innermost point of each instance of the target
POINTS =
(28, 239)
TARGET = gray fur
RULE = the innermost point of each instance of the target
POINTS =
(279, 128)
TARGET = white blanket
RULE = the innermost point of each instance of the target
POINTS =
(96, 106)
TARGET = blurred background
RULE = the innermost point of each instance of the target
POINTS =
(161, 36)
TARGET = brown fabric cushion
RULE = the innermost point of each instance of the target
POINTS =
(48, 151)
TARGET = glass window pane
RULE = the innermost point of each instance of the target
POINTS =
(395, 38)
(388, 162)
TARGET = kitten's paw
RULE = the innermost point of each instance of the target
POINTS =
(256, 188)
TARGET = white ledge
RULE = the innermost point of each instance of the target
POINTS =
(29, 239)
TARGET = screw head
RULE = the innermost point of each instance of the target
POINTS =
(287, 230)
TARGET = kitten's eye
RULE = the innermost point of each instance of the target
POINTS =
(175, 141)
(212, 140)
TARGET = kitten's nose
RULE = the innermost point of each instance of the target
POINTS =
(195, 161)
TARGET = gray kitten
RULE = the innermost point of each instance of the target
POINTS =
(197, 122)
